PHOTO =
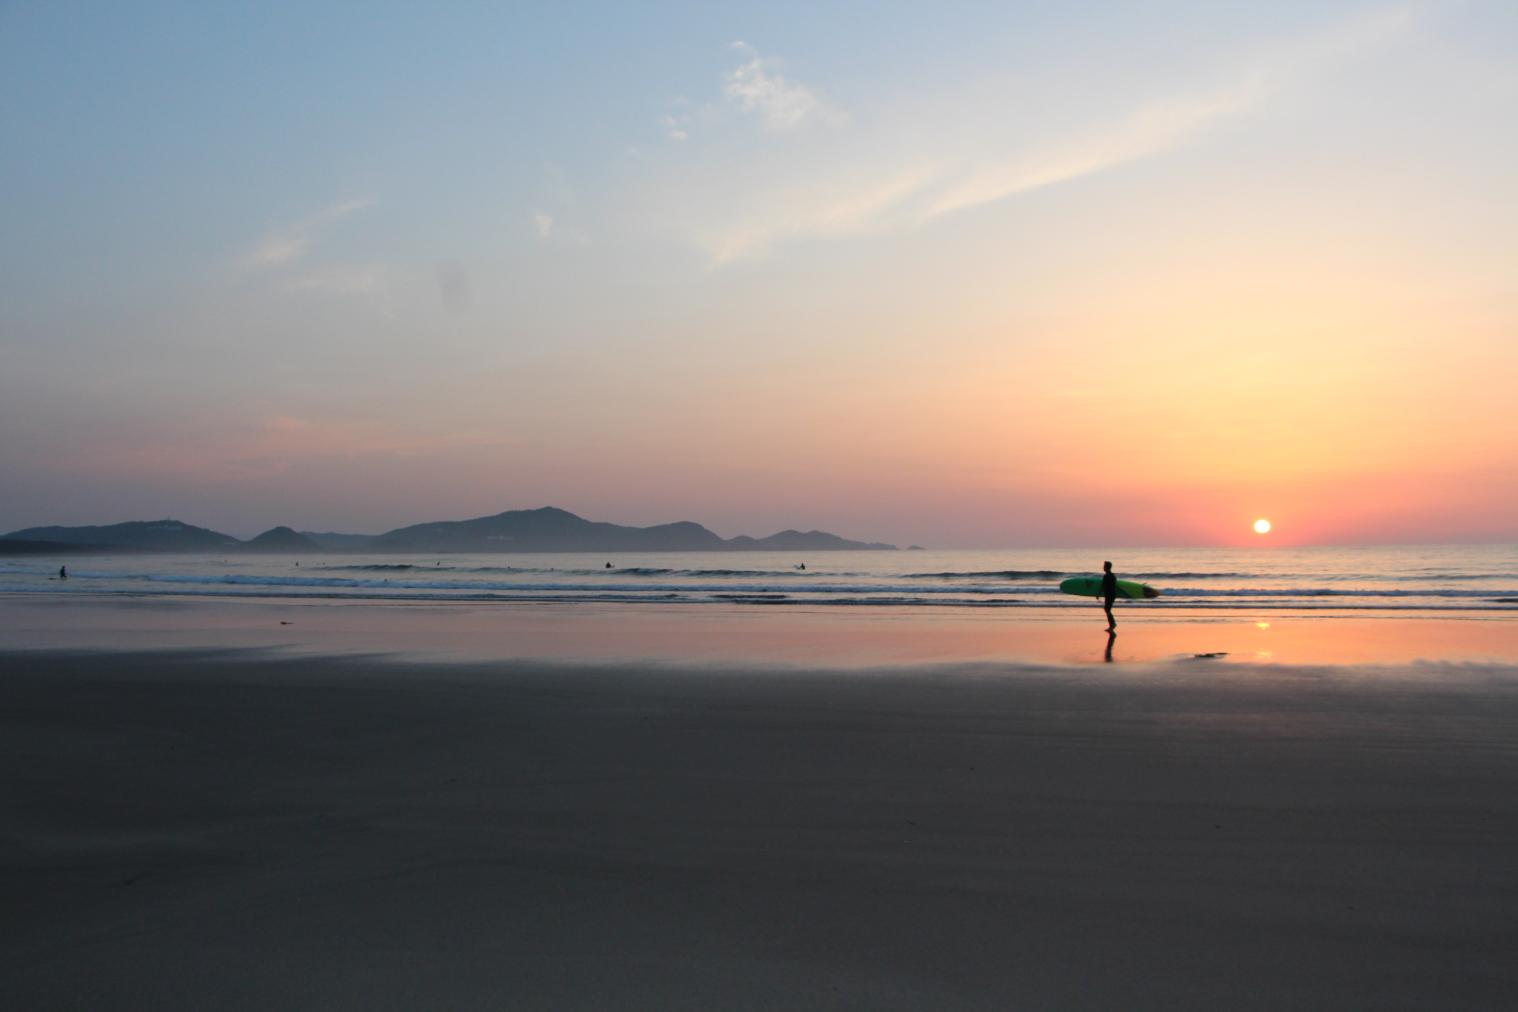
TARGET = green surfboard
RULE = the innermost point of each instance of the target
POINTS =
(1091, 586)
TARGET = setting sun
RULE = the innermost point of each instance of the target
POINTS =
(1262, 526)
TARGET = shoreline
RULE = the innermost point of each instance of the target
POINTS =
(1497, 605)
(735, 634)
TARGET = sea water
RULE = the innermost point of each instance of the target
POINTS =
(1407, 577)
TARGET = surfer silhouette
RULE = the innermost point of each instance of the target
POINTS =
(1109, 594)
(63, 572)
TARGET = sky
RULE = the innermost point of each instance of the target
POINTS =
(958, 275)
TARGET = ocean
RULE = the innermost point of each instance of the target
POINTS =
(1404, 577)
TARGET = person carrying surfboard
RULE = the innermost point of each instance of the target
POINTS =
(1109, 594)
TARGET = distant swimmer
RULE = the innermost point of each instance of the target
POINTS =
(1109, 594)
(63, 572)
(608, 565)
(802, 566)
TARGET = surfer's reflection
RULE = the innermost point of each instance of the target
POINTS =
(1111, 639)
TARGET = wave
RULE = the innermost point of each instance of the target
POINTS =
(994, 574)
(379, 567)
(1365, 580)
(396, 567)
(760, 583)
(1504, 605)
(1059, 574)
(1199, 582)
(1181, 592)
(538, 570)
(1463, 576)
(793, 573)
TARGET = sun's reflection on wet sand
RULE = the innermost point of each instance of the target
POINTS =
(828, 637)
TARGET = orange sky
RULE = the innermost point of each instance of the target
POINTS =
(981, 279)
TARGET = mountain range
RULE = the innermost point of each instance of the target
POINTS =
(539, 530)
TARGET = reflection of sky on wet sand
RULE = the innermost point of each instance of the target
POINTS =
(828, 637)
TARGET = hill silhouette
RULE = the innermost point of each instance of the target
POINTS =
(280, 539)
(803, 541)
(150, 535)
(334, 542)
(548, 529)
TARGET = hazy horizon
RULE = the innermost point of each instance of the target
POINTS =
(971, 277)
(1262, 544)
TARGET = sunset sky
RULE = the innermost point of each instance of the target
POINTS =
(949, 274)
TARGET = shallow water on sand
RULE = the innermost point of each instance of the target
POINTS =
(734, 635)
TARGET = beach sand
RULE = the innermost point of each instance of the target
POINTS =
(240, 829)
(791, 636)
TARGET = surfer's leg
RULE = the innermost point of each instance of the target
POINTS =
(1107, 607)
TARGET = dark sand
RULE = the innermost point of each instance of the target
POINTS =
(235, 830)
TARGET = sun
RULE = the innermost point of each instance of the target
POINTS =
(1262, 526)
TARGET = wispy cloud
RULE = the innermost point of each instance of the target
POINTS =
(289, 243)
(756, 89)
(676, 129)
(918, 159)
(758, 86)
(1146, 131)
(852, 206)
(1159, 125)
(340, 279)
(555, 214)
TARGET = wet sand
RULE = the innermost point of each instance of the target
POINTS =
(799, 636)
(241, 829)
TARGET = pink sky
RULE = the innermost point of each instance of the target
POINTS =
(1044, 280)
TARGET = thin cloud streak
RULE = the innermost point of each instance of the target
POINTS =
(1162, 125)
(289, 243)
(340, 279)
(1148, 131)
(846, 187)
(855, 207)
